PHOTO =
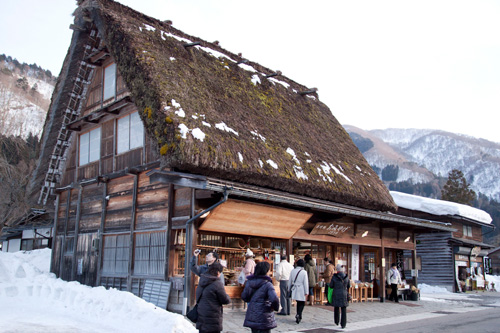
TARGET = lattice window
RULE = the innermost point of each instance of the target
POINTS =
(115, 254)
(149, 253)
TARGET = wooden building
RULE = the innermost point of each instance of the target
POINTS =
(150, 128)
(453, 260)
(494, 256)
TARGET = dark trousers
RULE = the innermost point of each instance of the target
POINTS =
(260, 331)
(284, 300)
(342, 313)
(394, 293)
(326, 293)
(300, 307)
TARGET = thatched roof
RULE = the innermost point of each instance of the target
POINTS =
(214, 113)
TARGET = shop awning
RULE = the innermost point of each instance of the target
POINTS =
(252, 219)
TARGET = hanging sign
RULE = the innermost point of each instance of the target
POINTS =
(475, 251)
(335, 229)
(355, 263)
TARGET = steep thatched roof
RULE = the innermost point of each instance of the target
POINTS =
(213, 113)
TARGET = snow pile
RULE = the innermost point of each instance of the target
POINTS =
(33, 300)
(439, 207)
(427, 289)
(493, 279)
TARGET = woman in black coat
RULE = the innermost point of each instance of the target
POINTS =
(210, 296)
(262, 300)
(340, 285)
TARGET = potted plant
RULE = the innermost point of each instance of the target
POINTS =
(414, 293)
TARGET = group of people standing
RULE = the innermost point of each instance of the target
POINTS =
(296, 283)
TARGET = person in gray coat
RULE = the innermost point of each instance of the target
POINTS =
(210, 296)
(340, 285)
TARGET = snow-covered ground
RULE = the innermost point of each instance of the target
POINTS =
(34, 300)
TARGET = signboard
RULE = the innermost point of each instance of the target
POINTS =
(475, 251)
(335, 229)
(157, 292)
(487, 265)
(355, 263)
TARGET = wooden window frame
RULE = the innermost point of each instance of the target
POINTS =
(88, 143)
(129, 134)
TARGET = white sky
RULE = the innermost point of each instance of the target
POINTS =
(376, 64)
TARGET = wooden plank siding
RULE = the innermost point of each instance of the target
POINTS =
(437, 260)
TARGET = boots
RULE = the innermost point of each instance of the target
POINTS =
(311, 299)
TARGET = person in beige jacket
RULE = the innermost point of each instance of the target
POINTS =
(312, 273)
(327, 276)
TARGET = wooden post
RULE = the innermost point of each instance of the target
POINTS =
(54, 232)
(100, 238)
(171, 203)
(289, 249)
(382, 266)
(63, 241)
(77, 230)
(414, 261)
(132, 228)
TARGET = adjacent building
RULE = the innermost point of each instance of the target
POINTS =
(453, 260)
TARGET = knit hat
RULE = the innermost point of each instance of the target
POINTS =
(249, 253)
(339, 267)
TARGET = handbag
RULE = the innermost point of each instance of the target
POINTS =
(193, 313)
(289, 292)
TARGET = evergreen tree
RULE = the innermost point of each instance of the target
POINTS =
(457, 189)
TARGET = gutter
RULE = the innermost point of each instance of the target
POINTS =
(188, 250)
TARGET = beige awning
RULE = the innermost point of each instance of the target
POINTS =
(244, 218)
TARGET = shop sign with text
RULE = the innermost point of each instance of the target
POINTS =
(335, 229)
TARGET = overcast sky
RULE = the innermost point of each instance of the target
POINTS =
(377, 64)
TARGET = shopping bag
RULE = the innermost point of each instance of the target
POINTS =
(193, 314)
(330, 295)
(242, 278)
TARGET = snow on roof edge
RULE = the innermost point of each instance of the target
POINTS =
(439, 207)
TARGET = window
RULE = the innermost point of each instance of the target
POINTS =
(90, 146)
(149, 254)
(115, 254)
(467, 231)
(130, 133)
(109, 82)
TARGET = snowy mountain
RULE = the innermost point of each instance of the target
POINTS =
(25, 92)
(422, 154)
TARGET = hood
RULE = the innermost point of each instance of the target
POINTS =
(255, 282)
(207, 279)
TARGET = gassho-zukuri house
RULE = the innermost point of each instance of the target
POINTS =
(454, 260)
(157, 142)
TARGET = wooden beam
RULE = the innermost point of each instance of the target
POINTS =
(382, 266)
(169, 244)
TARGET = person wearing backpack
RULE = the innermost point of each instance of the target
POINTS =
(262, 300)
(340, 286)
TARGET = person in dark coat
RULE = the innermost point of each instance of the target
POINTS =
(210, 296)
(262, 300)
(340, 285)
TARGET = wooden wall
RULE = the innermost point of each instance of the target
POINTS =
(437, 260)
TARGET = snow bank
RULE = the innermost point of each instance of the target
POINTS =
(493, 279)
(439, 207)
(31, 297)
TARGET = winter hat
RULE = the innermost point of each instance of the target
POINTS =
(339, 267)
(249, 253)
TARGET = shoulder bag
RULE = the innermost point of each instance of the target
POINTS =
(193, 313)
